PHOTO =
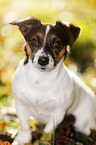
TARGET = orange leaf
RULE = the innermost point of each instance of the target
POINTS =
(3, 124)
(7, 143)
(1, 143)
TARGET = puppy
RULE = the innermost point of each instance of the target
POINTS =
(43, 86)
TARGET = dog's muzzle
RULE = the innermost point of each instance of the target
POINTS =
(42, 61)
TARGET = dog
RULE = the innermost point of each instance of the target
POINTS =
(43, 86)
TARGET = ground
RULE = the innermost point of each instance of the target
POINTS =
(65, 134)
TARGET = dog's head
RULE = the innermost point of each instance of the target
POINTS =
(46, 43)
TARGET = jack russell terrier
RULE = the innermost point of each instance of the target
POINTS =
(43, 86)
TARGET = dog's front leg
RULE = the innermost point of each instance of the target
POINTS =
(54, 121)
(24, 135)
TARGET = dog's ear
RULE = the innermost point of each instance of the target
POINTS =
(70, 32)
(26, 25)
(74, 33)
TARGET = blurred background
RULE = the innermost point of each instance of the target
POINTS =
(82, 58)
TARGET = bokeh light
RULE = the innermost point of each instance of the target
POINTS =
(6, 30)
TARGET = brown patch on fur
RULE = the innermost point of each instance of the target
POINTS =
(30, 54)
(40, 35)
(53, 36)
(61, 54)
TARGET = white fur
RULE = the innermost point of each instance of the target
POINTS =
(46, 32)
(47, 96)
(39, 53)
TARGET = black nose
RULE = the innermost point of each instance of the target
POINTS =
(43, 60)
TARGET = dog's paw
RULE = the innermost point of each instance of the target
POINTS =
(24, 136)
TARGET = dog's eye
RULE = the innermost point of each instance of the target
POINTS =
(58, 44)
(34, 42)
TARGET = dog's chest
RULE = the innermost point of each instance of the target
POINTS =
(42, 91)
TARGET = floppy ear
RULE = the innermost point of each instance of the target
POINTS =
(68, 32)
(26, 25)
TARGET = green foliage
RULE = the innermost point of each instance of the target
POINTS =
(42, 144)
(72, 144)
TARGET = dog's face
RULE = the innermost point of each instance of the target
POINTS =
(45, 43)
